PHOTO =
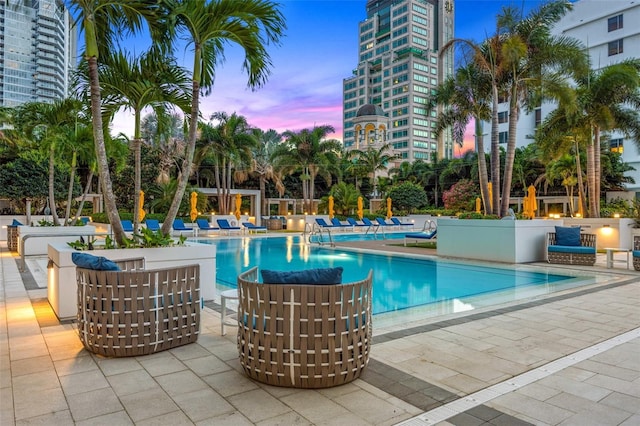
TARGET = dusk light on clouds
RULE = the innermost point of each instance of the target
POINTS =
(319, 50)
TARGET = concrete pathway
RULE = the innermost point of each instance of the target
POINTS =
(568, 358)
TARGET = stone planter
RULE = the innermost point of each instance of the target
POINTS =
(61, 275)
(509, 241)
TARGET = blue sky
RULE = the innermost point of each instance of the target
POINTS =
(319, 50)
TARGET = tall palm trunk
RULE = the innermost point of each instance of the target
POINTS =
(591, 178)
(52, 198)
(581, 195)
(495, 154)
(183, 179)
(137, 179)
(101, 153)
(597, 171)
(72, 175)
(510, 154)
(482, 165)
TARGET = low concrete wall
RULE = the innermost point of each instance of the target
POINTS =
(610, 232)
(41, 236)
(510, 241)
(61, 276)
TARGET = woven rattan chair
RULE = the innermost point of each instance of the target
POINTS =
(304, 336)
(136, 311)
(585, 254)
(636, 252)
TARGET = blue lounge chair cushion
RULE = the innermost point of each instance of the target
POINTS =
(127, 225)
(307, 276)
(152, 224)
(567, 236)
(423, 235)
(97, 263)
(636, 253)
(178, 225)
(16, 223)
(572, 249)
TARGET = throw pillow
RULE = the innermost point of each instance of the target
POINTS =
(568, 236)
(16, 223)
(308, 276)
(98, 263)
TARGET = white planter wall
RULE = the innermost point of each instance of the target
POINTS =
(42, 236)
(61, 276)
(509, 241)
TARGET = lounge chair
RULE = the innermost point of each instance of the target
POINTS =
(205, 226)
(368, 222)
(636, 252)
(250, 227)
(226, 226)
(323, 223)
(383, 222)
(127, 225)
(152, 224)
(336, 222)
(397, 222)
(422, 235)
(355, 224)
(178, 226)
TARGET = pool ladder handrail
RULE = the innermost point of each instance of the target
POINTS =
(318, 230)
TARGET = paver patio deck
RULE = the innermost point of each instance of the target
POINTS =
(568, 358)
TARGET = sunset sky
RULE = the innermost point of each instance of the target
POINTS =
(319, 50)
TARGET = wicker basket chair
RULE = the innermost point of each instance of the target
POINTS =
(303, 335)
(636, 249)
(568, 258)
(135, 311)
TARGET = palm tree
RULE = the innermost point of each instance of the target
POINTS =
(230, 147)
(373, 160)
(262, 166)
(251, 24)
(466, 96)
(536, 65)
(102, 22)
(345, 197)
(153, 81)
(310, 154)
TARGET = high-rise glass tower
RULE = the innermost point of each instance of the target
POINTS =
(38, 51)
(399, 65)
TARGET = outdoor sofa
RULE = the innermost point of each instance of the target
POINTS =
(569, 246)
(303, 335)
(126, 310)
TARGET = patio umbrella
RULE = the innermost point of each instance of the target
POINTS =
(533, 203)
(490, 186)
(331, 212)
(238, 204)
(193, 214)
(389, 212)
(141, 212)
(360, 208)
(478, 204)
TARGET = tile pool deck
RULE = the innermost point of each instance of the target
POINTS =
(568, 358)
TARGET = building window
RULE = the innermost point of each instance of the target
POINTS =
(538, 116)
(614, 23)
(503, 117)
(503, 137)
(616, 145)
(615, 47)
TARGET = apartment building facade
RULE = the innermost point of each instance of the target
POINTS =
(398, 68)
(38, 51)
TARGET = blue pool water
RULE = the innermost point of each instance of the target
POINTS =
(399, 282)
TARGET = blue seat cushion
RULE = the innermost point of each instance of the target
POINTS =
(636, 253)
(567, 236)
(307, 276)
(98, 263)
(572, 249)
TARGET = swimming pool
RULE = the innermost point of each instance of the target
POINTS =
(400, 282)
